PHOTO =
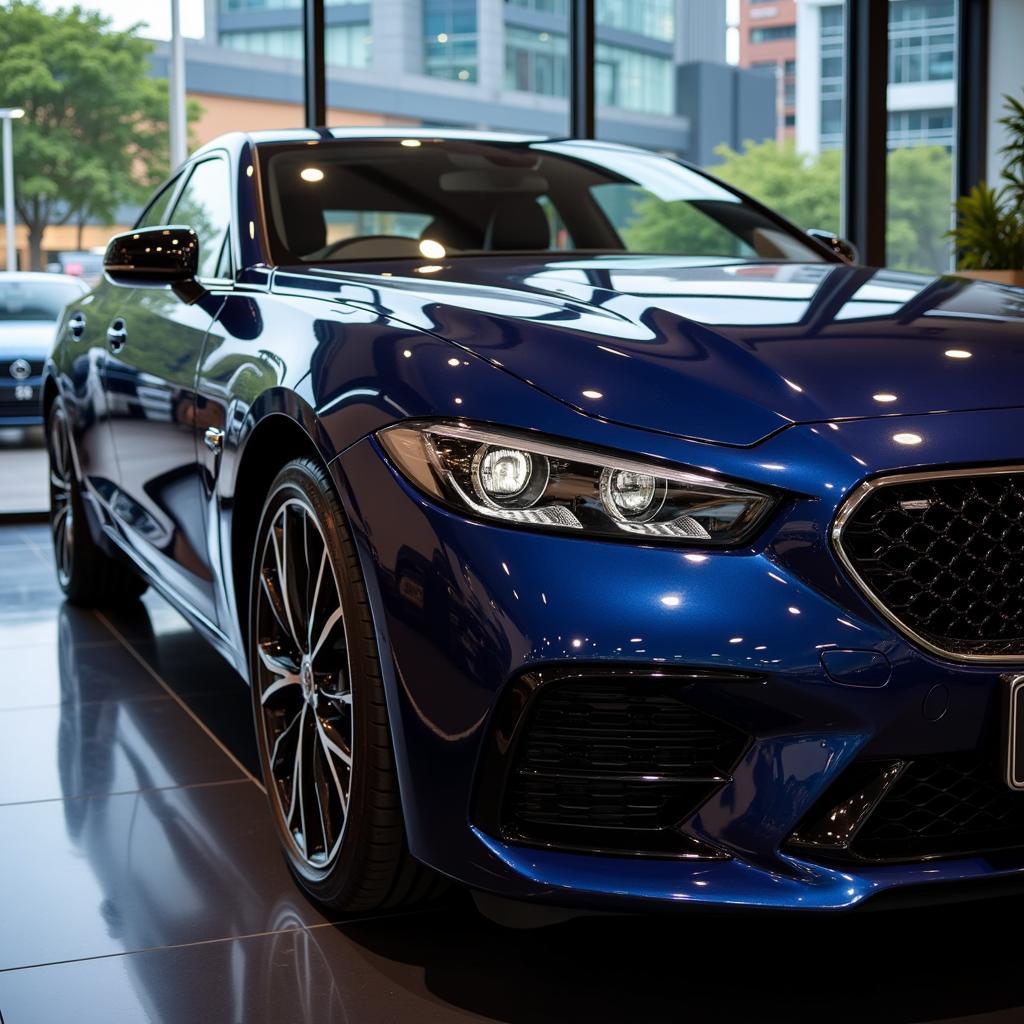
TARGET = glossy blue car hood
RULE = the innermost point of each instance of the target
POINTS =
(727, 353)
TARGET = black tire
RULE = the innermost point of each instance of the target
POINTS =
(88, 576)
(317, 688)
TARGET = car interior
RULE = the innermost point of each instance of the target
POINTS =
(366, 201)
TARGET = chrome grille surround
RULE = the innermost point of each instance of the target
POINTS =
(847, 511)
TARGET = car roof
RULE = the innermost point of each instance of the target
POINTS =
(42, 277)
(284, 136)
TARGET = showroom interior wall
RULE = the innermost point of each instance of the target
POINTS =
(1005, 32)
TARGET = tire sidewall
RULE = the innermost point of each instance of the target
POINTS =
(297, 481)
(58, 411)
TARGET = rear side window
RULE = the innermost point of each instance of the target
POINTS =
(205, 206)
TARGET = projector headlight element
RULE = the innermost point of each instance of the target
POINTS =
(529, 482)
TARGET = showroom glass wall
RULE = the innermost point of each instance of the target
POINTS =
(922, 97)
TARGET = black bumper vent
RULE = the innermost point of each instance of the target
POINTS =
(944, 805)
(614, 763)
(945, 558)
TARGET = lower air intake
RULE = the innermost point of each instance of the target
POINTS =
(615, 763)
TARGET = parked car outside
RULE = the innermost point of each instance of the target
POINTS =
(30, 307)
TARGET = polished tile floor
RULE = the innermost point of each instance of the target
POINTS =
(139, 880)
(23, 486)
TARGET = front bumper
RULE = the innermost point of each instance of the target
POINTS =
(463, 608)
(18, 411)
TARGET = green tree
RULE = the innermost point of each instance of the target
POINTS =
(919, 208)
(94, 135)
(805, 189)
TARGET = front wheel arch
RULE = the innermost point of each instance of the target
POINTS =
(273, 442)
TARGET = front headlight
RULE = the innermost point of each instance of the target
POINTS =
(526, 482)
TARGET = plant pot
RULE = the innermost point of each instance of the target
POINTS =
(1014, 277)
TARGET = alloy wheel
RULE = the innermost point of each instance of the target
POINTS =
(303, 682)
(62, 512)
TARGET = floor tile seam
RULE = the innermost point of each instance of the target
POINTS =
(209, 784)
(369, 918)
(45, 557)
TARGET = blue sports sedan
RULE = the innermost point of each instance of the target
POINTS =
(588, 534)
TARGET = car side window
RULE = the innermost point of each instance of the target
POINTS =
(205, 206)
(156, 212)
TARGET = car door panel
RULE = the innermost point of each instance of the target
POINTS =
(154, 342)
(150, 385)
(83, 372)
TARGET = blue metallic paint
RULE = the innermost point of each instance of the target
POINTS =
(766, 373)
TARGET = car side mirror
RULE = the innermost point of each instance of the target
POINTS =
(840, 246)
(156, 257)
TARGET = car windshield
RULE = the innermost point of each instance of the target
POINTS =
(33, 299)
(360, 200)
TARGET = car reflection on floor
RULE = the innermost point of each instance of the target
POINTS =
(22, 471)
(139, 879)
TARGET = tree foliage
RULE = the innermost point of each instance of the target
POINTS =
(805, 189)
(94, 135)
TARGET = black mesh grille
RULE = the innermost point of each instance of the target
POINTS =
(946, 558)
(941, 806)
(615, 764)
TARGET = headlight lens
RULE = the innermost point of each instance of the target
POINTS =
(528, 482)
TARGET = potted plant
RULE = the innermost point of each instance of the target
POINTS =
(989, 235)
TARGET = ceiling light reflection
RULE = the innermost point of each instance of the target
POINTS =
(432, 250)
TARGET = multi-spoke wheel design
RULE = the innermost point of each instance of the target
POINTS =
(303, 683)
(321, 713)
(62, 511)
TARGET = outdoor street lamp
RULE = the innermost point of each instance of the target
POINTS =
(7, 115)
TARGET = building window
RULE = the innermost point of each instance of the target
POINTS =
(632, 80)
(559, 7)
(771, 33)
(831, 77)
(450, 39)
(275, 5)
(536, 62)
(920, 128)
(653, 18)
(346, 46)
(922, 44)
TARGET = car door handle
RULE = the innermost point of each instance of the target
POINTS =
(213, 438)
(76, 326)
(117, 334)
